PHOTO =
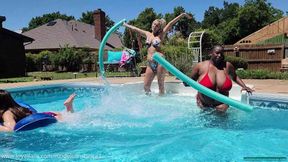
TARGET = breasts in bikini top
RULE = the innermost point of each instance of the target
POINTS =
(207, 82)
(227, 85)
(155, 43)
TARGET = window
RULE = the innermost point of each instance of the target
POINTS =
(51, 23)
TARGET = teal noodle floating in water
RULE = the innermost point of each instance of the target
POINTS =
(208, 92)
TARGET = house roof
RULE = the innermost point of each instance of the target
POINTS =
(16, 35)
(59, 33)
(269, 31)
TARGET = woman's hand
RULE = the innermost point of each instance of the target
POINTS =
(125, 24)
(187, 15)
(248, 90)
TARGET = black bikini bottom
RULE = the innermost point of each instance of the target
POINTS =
(153, 65)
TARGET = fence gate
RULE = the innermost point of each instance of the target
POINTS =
(195, 45)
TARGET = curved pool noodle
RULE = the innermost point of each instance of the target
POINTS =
(103, 43)
(206, 91)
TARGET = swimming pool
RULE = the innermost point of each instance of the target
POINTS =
(122, 124)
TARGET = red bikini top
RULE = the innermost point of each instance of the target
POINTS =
(206, 81)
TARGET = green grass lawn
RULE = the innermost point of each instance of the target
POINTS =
(59, 75)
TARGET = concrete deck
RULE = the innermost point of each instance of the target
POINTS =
(261, 86)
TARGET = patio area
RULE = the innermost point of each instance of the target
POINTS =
(261, 86)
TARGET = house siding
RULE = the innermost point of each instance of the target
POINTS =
(12, 56)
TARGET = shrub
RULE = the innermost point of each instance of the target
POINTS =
(68, 58)
(261, 74)
(143, 54)
(237, 62)
(179, 57)
(210, 38)
(35, 62)
(30, 62)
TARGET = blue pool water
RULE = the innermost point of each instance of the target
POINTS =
(122, 124)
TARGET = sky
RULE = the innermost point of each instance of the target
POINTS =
(18, 13)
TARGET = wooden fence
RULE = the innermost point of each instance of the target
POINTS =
(259, 56)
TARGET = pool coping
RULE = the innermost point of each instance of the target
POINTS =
(262, 86)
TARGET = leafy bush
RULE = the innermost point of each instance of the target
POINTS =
(34, 62)
(177, 54)
(261, 74)
(179, 57)
(143, 54)
(210, 38)
(44, 57)
(68, 58)
(30, 62)
(237, 62)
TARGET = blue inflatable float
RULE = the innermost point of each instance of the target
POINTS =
(33, 121)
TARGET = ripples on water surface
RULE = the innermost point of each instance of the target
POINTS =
(125, 125)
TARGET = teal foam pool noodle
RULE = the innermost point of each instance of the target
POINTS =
(102, 46)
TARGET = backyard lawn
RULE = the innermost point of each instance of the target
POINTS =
(36, 76)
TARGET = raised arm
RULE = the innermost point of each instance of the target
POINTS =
(138, 30)
(172, 22)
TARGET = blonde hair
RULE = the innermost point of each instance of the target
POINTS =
(162, 22)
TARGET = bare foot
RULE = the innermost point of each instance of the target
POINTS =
(69, 103)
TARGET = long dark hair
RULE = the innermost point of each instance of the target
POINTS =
(8, 103)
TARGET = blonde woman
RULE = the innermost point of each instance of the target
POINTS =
(153, 42)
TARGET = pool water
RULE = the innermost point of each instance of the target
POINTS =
(120, 124)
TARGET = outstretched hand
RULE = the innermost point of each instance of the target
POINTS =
(187, 15)
(248, 90)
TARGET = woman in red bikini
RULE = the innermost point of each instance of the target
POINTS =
(11, 112)
(216, 74)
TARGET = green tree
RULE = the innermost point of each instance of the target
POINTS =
(41, 20)
(215, 16)
(222, 19)
(256, 14)
(129, 37)
(146, 17)
(228, 30)
(68, 58)
(184, 26)
(176, 52)
(229, 11)
(233, 22)
(210, 38)
(211, 17)
(87, 17)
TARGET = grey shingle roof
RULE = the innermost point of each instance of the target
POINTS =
(62, 32)
(16, 35)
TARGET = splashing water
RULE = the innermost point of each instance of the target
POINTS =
(124, 125)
